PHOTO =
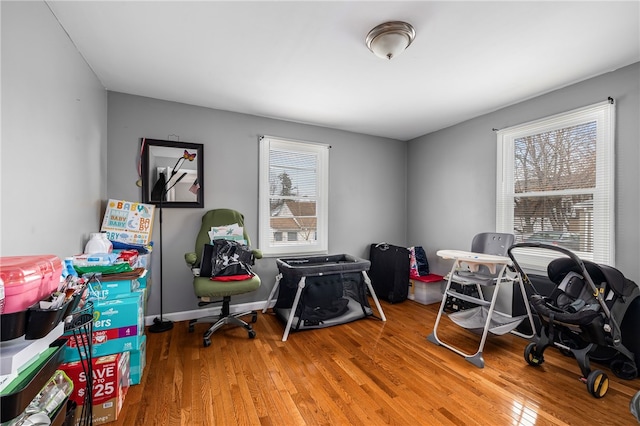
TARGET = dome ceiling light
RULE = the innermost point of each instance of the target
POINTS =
(390, 39)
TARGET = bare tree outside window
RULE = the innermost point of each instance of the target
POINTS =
(555, 183)
(559, 162)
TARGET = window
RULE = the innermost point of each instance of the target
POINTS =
(555, 184)
(294, 181)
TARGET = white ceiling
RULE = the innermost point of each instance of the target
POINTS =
(307, 62)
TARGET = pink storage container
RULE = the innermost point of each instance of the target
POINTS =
(28, 279)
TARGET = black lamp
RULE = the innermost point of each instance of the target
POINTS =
(159, 324)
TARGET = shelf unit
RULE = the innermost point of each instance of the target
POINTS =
(19, 353)
(484, 318)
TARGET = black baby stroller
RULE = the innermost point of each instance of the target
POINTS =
(582, 316)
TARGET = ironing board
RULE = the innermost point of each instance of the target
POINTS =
(483, 318)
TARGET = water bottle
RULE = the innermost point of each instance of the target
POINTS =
(68, 268)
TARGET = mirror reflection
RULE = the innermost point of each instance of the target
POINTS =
(172, 173)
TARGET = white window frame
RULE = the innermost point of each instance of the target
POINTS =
(603, 195)
(321, 151)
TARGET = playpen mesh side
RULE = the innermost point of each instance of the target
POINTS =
(343, 292)
(334, 293)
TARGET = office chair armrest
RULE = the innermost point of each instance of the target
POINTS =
(191, 259)
(257, 254)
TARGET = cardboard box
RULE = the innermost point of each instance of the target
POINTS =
(105, 412)
(145, 280)
(118, 326)
(138, 360)
(111, 376)
(109, 289)
(128, 222)
(109, 347)
(145, 283)
(119, 313)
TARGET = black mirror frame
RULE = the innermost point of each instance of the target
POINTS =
(147, 184)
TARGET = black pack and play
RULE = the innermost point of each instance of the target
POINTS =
(389, 272)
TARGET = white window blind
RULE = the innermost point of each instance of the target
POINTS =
(555, 184)
(293, 197)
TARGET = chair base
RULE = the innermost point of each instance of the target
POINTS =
(225, 318)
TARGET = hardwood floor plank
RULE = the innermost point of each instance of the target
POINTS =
(338, 387)
(362, 373)
(248, 403)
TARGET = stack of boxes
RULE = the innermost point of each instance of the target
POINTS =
(118, 345)
(118, 342)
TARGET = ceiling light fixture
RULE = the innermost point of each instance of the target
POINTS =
(390, 39)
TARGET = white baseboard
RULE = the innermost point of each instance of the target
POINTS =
(205, 312)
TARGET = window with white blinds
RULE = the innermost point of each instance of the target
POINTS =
(555, 184)
(294, 181)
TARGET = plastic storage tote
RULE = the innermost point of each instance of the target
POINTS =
(28, 279)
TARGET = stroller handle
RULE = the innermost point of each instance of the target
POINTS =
(561, 249)
(569, 254)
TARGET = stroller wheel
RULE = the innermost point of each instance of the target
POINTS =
(634, 405)
(531, 357)
(597, 383)
(624, 368)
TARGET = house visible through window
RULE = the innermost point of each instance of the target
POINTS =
(555, 183)
(293, 197)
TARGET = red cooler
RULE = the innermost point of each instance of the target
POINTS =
(28, 279)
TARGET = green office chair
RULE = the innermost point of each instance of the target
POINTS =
(207, 290)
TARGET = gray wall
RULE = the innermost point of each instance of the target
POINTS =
(437, 191)
(54, 137)
(452, 172)
(367, 201)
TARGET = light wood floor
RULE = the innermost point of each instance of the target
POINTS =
(363, 373)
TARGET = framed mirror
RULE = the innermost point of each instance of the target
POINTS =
(172, 172)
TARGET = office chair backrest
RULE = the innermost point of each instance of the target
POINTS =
(217, 217)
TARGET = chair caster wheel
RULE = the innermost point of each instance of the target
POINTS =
(254, 317)
(252, 334)
(206, 343)
(191, 328)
